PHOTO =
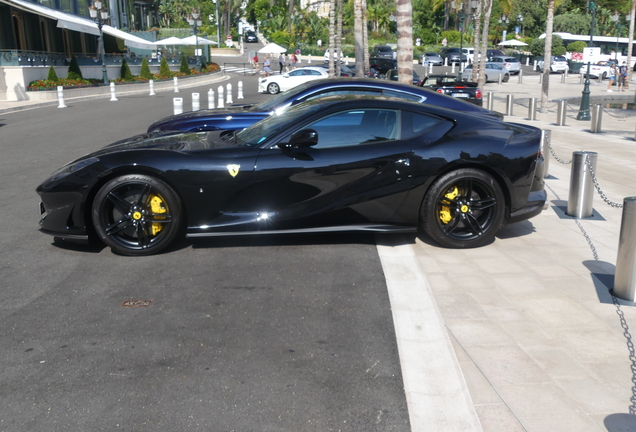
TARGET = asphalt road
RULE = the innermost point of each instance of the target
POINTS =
(284, 333)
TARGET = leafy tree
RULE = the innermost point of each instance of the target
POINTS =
(125, 72)
(145, 70)
(74, 70)
(282, 38)
(184, 66)
(572, 22)
(537, 47)
(52, 76)
(576, 46)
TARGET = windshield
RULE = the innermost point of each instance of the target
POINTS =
(264, 129)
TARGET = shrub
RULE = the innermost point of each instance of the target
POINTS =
(164, 69)
(145, 70)
(282, 38)
(73, 76)
(52, 76)
(451, 35)
(125, 72)
(184, 66)
(576, 46)
(73, 68)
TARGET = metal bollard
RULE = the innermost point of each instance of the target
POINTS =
(532, 108)
(210, 99)
(520, 76)
(228, 98)
(534, 65)
(176, 84)
(500, 79)
(177, 104)
(527, 61)
(563, 76)
(561, 111)
(541, 78)
(60, 97)
(546, 136)
(309, 59)
(221, 103)
(452, 67)
(195, 102)
(151, 83)
(597, 116)
(113, 98)
(625, 273)
(446, 61)
(600, 78)
(510, 100)
(581, 185)
(347, 61)
(240, 90)
(581, 77)
(491, 100)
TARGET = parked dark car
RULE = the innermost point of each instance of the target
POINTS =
(332, 164)
(242, 116)
(451, 86)
(383, 51)
(392, 75)
(382, 65)
(250, 37)
(454, 55)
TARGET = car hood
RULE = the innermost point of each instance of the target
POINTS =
(194, 115)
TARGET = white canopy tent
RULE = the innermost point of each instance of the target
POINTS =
(512, 42)
(272, 48)
(192, 40)
(170, 41)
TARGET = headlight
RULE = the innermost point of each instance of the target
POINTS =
(72, 168)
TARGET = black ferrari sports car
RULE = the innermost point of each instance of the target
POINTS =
(241, 116)
(342, 163)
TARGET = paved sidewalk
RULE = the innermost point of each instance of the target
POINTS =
(541, 343)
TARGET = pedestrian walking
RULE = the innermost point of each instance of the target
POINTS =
(266, 65)
(611, 76)
(294, 60)
(287, 63)
(255, 62)
(281, 62)
(622, 76)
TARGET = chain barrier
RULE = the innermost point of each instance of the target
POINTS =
(610, 112)
(554, 154)
(597, 186)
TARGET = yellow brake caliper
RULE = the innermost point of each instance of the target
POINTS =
(445, 212)
(158, 207)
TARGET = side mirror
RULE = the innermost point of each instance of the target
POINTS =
(301, 139)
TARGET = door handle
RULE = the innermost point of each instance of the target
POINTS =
(405, 162)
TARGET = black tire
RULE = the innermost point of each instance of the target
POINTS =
(463, 209)
(604, 76)
(273, 88)
(486, 78)
(506, 78)
(136, 214)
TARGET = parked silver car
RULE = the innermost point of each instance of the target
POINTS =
(512, 64)
(493, 70)
(431, 57)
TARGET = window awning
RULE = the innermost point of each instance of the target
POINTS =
(80, 24)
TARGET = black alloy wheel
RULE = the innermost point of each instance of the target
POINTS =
(506, 78)
(136, 214)
(463, 209)
(273, 88)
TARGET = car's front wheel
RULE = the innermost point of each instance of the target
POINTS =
(273, 88)
(463, 209)
(136, 214)
(506, 78)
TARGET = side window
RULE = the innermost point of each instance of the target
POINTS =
(405, 96)
(314, 72)
(414, 124)
(344, 92)
(296, 73)
(354, 127)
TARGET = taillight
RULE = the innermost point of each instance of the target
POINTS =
(458, 87)
(478, 94)
(440, 91)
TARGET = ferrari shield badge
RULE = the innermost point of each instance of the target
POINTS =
(233, 169)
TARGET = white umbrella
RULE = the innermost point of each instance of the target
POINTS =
(272, 48)
(170, 41)
(512, 42)
(192, 40)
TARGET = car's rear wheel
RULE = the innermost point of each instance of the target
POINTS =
(485, 78)
(136, 214)
(463, 209)
(273, 88)
(505, 78)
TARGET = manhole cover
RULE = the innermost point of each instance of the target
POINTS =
(136, 303)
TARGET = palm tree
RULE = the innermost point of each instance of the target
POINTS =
(473, 78)
(404, 10)
(332, 35)
(487, 4)
(339, 37)
(545, 86)
(630, 44)
(359, 37)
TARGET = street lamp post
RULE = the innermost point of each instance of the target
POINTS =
(504, 21)
(100, 16)
(195, 22)
(584, 109)
(617, 22)
(520, 21)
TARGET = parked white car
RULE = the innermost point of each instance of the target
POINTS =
(600, 69)
(335, 50)
(278, 83)
(558, 64)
